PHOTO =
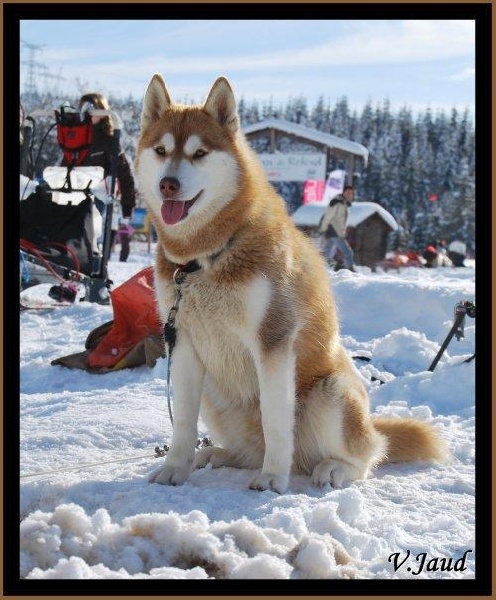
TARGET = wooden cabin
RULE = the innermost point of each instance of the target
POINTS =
(292, 153)
(368, 229)
(273, 135)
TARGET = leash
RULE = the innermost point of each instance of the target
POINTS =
(159, 452)
(178, 277)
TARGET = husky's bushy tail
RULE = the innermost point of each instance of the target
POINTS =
(410, 440)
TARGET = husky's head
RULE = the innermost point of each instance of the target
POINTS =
(187, 159)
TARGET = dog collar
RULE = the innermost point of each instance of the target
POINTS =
(182, 270)
(193, 265)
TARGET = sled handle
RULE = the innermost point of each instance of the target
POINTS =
(96, 112)
(100, 112)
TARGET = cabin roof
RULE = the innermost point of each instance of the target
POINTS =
(309, 215)
(326, 139)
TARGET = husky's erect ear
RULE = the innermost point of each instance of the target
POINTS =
(156, 101)
(221, 104)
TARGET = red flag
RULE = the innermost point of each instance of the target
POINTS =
(433, 197)
(313, 191)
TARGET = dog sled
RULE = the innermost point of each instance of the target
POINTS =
(64, 239)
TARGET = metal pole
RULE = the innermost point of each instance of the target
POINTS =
(100, 282)
(27, 136)
(458, 320)
(110, 205)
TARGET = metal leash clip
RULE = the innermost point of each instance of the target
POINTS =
(159, 452)
(204, 442)
(179, 276)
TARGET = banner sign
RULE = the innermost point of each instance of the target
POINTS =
(294, 167)
(334, 185)
(313, 191)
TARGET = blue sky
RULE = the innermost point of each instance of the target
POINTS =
(417, 63)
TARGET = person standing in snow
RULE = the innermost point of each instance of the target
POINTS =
(121, 233)
(431, 256)
(444, 260)
(333, 227)
(457, 252)
(100, 155)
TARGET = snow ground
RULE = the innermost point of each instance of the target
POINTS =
(105, 521)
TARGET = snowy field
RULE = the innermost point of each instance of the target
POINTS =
(87, 447)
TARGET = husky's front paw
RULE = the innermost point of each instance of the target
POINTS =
(269, 481)
(170, 474)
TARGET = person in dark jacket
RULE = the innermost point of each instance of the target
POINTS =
(100, 155)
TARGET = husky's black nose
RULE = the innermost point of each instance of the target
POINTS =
(169, 186)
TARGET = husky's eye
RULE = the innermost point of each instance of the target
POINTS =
(200, 153)
(160, 150)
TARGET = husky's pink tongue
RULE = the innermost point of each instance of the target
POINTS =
(172, 211)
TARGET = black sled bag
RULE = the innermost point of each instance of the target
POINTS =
(60, 232)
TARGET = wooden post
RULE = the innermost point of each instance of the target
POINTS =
(272, 140)
(350, 163)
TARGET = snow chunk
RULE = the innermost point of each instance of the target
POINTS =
(403, 351)
(350, 506)
(262, 566)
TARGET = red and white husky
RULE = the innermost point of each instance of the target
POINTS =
(258, 350)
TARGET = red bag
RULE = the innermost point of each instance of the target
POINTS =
(135, 318)
(133, 338)
(73, 135)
